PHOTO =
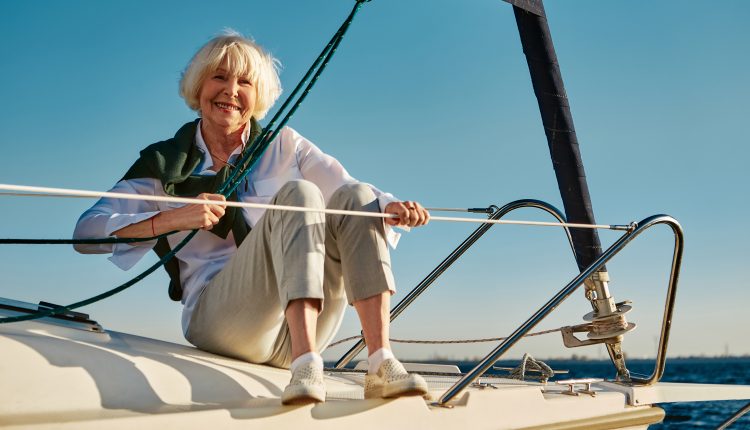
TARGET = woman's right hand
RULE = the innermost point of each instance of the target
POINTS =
(192, 216)
(188, 217)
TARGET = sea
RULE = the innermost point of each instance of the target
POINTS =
(683, 416)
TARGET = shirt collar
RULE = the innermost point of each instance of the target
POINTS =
(207, 161)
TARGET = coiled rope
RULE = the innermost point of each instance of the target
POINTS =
(530, 364)
(255, 151)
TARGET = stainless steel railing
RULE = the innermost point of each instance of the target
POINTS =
(563, 294)
(455, 255)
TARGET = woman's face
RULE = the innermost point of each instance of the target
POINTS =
(227, 101)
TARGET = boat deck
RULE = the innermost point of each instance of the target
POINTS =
(57, 375)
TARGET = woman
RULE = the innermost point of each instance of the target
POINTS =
(263, 286)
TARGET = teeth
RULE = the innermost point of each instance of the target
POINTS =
(227, 106)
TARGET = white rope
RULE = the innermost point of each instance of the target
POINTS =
(452, 210)
(529, 363)
(63, 192)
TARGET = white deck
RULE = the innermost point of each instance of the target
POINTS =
(62, 377)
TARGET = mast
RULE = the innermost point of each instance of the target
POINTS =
(558, 127)
(566, 155)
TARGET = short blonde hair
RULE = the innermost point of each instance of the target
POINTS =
(243, 58)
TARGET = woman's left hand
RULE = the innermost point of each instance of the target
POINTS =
(410, 214)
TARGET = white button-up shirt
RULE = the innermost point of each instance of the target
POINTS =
(290, 156)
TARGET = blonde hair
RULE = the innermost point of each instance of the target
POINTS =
(243, 57)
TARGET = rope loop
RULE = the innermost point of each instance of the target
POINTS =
(529, 363)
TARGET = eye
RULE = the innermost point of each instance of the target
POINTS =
(219, 76)
(244, 81)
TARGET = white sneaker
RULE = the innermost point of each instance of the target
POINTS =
(392, 380)
(306, 386)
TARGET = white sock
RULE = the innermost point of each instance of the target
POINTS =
(308, 357)
(376, 359)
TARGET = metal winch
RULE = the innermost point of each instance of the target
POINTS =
(605, 324)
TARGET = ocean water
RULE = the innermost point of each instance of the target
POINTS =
(687, 416)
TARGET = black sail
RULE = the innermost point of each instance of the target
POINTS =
(558, 125)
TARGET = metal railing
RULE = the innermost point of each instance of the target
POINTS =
(455, 255)
(563, 294)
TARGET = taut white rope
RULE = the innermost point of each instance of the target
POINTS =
(63, 192)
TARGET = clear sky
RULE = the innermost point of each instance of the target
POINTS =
(430, 100)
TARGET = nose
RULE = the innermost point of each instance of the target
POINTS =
(231, 87)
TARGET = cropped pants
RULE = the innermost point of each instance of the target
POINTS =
(293, 255)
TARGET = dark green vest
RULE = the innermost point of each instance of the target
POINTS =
(173, 161)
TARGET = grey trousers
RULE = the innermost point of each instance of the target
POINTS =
(293, 255)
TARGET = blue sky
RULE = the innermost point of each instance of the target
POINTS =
(430, 100)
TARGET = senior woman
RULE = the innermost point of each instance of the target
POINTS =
(262, 286)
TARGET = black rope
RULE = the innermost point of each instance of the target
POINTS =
(261, 142)
(81, 241)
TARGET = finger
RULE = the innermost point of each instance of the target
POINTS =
(216, 197)
(414, 220)
(405, 216)
(213, 197)
(210, 221)
(217, 210)
(390, 210)
(424, 215)
(402, 214)
(418, 217)
(414, 216)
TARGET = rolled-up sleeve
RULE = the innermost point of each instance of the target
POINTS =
(109, 215)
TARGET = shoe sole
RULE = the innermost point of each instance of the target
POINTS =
(303, 397)
(412, 388)
(301, 401)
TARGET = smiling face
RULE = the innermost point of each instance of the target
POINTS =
(224, 60)
(227, 101)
